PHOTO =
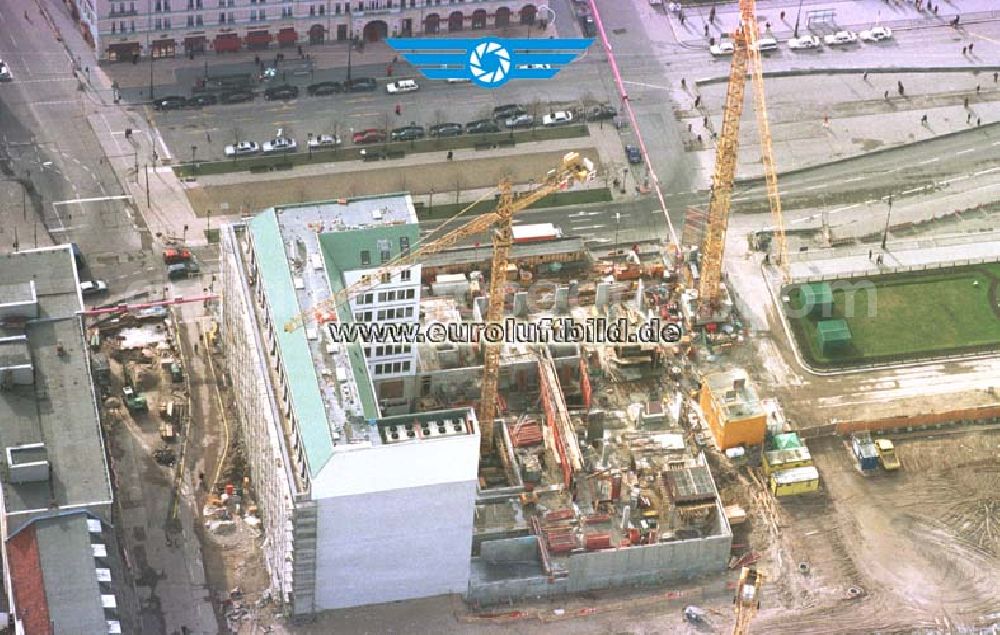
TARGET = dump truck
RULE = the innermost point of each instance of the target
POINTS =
(887, 455)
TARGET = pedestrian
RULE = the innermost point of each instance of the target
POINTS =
(711, 15)
(924, 118)
(965, 49)
(826, 121)
(970, 48)
(699, 139)
(965, 102)
(767, 26)
(399, 109)
(864, 77)
(887, 95)
(935, 9)
(782, 16)
(869, 254)
(300, 51)
(681, 17)
(704, 121)
(395, 58)
(977, 89)
(697, 101)
(706, 30)
(968, 118)
(451, 155)
(979, 121)
(684, 83)
(690, 127)
(995, 77)
(208, 136)
(901, 91)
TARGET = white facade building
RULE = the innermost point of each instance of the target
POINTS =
(356, 508)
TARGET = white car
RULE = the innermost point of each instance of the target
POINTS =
(93, 287)
(557, 118)
(324, 141)
(534, 66)
(280, 144)
(841, 38)
(5, 75)
(402, 86)
(804, 42)
(877, 34)
(725, 47)
(767, 44)
(242, 148)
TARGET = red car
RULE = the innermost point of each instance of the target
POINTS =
(371, 135)
(174, 256)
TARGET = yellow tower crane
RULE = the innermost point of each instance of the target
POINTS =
(747, 599)
(573, 169)
(726, 151)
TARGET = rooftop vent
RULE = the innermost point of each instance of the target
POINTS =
(28, 463)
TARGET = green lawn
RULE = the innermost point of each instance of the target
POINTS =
(907, 316)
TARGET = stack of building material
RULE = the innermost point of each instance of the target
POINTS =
(597, 541)
(526, 434)
(561, 539)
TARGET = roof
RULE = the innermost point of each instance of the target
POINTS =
(734, 394)
(786, 441)
(790, 455)
(690, 484)
(60, 408)
(796, 475)
(16, 293)
(830, 331)
(519, 251)
(817, 293)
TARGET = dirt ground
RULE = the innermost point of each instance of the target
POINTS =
(446, 178)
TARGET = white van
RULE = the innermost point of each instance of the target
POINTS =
(402, 86)
(767, 44)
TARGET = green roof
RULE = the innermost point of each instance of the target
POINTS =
(303, 383)
(816, 294)
(833, 332)
(786, 441)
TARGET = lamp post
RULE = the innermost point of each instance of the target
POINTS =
(350, 47)
(798, 14)
(885, 233)
(618, 223)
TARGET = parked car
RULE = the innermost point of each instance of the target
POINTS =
(205, 99)
(236, 97)
(804, 42)
(243, 148)
(324, 141)
(557, 118)
(402, 86)
(532, 67)
(361, 84)
(446, 130)
(508, 110)
(723, 48)
(523, 120)
(458, 80)
(174, 255)
(633, 154)
(877, 34)
(183, 270)
(93, 287)
(280, 144)
(371, 135)
(407, 133)
(840, 38)
(588, 25)
(285, 91)
(481, 126)
(765, 44)
(173, 102)
(601, 111)
(324, 88)
(5, 74)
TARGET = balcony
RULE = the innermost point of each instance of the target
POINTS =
(122, 14)
(371, 13)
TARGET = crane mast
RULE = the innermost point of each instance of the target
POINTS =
(745, 54)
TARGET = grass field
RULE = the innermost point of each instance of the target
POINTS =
(907, 316)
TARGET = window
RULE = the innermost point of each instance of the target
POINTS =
(381, 315)
(190, 20)
(322, 9)
(112, 28)
(166, 23)
(368, 298)
(368, 351)
(404, 275)
(253, 15)
(286, 12)
(222, 18)
(158, 6)
(190, 4)
(158, 24)
(406, 366)
(131, 26)
(198, 20)
(404, 244)
(408, 312)
(312, 10)
(386, 278)
(366, 257)
(336, 8)
(198, 4)
(262, 16)
(411, 293)
(384, 248)
(166, 5)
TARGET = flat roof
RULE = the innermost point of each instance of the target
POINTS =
(736, 403)
(483, 253)
(16, 293)
(796, 475)
(59, 409)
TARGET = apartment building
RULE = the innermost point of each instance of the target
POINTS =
(121, 30)
(357, 508)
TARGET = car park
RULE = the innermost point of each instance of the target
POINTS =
(523, 120)
(236, 97)
(765, 44)
(481, 126)
(633, 154)
(877, 34)
(557, 118)
(402, 86)
(243, 148)
(5, 74)
(285, 91)
(324, 88)
(280, 144)
(446, 130)
(93, 287)
(361, 84)
(804, 42)
(407, 133)
(206, 99)
(601, 111)
(723, 48)
(324, 141)
(173, 102)
(371, 135)
(508, 110)
(841, 38)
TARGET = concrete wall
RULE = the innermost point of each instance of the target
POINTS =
(633, 566)
(394, 545)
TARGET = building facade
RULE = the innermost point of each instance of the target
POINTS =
(357, 508)
(123, 29)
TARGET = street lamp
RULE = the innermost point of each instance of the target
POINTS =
(798, 14)
(194, 149)
(885, 233)
(618, 223)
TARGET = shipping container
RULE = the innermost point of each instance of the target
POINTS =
(798, 480)
(776, 460)
(537, 232)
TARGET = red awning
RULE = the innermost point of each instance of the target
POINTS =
(227, 43)
(194, 42)
(258, 38)
(287, 36)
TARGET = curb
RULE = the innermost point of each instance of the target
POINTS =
(800, 72)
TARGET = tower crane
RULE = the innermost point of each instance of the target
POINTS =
(747, 599)
(726, 151)
(572, 169)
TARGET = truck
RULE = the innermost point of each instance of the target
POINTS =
(134, 401)
(536, 233)
(887, 455)
(864, 451)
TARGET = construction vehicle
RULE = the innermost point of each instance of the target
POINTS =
(746, 52)
(134, 401)
(887, 455)
(865, 454)
(573, 169)
(747, 599)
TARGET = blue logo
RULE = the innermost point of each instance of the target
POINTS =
(490, 62)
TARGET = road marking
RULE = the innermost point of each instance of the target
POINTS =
(816, 187)
(645, 85)
(955, 180)
(856, 179)
(966, 151)
(981, 172)
(934, 160)
(90, 200)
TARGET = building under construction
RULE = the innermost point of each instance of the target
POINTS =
(374, 487)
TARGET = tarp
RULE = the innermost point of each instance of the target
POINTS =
(227, 43)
